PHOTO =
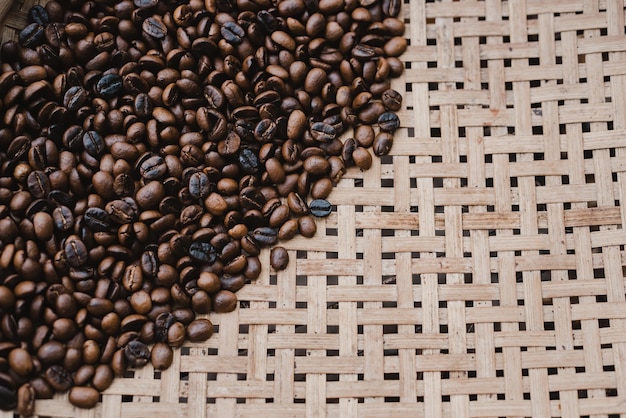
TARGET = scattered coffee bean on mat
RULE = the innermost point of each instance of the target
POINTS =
(150, 149)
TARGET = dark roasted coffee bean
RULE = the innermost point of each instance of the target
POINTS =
(137, 353)
(93, 143)
(279, 258)
(26, 400)
(58, 378)
(38, 14)
(224, 301)
(153, 168)
(249, 161)
(388, 122)
(109, 86)
(122, 210)
(264, 236)
(323, 132)
(203, 251)
(97, 219)
(32, 35)
(232, 33)
(320, 208)
(63, 218)
(392, 100)
(38, 184)
(154, 27)
(382, 143)
(199, 185)
(74, 98)
(20, 361)
(75, 251)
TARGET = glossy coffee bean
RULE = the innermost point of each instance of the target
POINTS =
(199, 330)
(320, 208)
(26, 400)
(83, 397)
(161, 356)
(279, 258)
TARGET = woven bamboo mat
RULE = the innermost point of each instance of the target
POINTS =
(478, 271)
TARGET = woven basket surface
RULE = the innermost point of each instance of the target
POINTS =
(477, 271)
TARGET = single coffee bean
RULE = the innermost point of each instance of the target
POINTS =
(58, 378)
(199, 330)
(83, 397)
(38, 14)
(109, 86)
(232, 33)
(154, 27)
(264, 236)
(26, 400)
(388, 122)
(75, 251)
(161, 356)
(32, 35)
(224, 301)
(392, 100)
(279, 258)
(320, 208)
(20, 361)
(103, 377)
(203, 252)
(74, 98)
(63, 218)
(382, 143)
(97, 219)
(137, 353)
(93, 143)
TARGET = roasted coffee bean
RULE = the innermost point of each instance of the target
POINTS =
(154, 27)
(232, 33)
(392, 100)
(32, 35)
(75, 251)
(388, 122)
(137, 353)
(264, 236)
(83, 397)
(38, 14)
(161, 356)
(63, 218)
(74, 98)
(382, 143)
(58, 378)
(199, 330)
(320, 208)
(279, 258)
(109, 86)
(203, 251)
(20, 361)
(323, 132)
(38, 184)
(153, 168)
(94, 143)
(26, 400)
(97, 219)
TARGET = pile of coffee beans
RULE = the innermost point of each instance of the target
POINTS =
(149, 150)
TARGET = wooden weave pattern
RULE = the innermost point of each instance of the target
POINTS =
(478, 271)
